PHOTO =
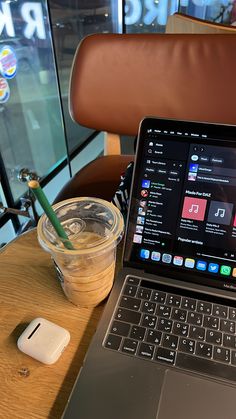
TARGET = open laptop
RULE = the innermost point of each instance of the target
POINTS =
(166, 344)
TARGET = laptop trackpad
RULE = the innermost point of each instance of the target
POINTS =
(186, 396)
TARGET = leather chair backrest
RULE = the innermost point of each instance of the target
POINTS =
(116, 79)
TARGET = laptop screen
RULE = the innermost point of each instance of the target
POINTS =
(182, 219)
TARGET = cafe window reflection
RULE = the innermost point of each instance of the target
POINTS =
(70, 24)
(30, 116)
(149, 16)
(40, 38)
(218, 11)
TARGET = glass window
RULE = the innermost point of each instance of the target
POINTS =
(149, 15)
(2, 197)
(219, 11)
(70, 23)
(31, 127)
(7, 233)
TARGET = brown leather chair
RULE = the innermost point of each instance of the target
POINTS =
(116, 80)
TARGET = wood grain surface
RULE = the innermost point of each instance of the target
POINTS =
(29, 289)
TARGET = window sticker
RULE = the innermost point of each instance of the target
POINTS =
(4, 90)
(8, 62)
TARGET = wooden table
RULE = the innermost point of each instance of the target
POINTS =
(29, 289)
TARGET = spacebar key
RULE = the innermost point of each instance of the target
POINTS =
(205, 366)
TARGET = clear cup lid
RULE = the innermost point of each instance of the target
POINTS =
(91, 224)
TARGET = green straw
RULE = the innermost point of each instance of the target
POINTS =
(41, 197)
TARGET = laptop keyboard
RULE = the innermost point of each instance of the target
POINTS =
(162, 326)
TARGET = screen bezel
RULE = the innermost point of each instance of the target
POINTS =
(218, 135)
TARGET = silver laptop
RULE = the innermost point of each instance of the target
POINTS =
(166, 344)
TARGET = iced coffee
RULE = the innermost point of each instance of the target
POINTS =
(94, 227)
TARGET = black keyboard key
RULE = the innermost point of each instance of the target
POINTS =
(232, 313)
(113, 342)
(213, 336)
(158, 296)
(164, 325)
(196, 332)
(211, 322)
(165, 355)
(148, 307)
(163, 311)
(137, 332)
(130, 303)
(130, 290)
(227, 326)
(144, 293)
(145, 350)
(149, 321)
(120, 328)
(129, 316)
(204, 349)
(229, 341)
(180, 329)
(170, 341)
(205, 366)
(129, 346)
(204, 307)
(187, 345)
(221, 311)
(195, 318)
(179, 314)
(153, 336)
(221, 354)
(188, 303)
(132, 281)
(173, 300)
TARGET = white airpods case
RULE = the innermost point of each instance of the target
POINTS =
(43, 340)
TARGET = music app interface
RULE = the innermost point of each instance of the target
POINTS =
(185, 211)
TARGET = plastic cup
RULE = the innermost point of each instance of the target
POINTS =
(94, 227)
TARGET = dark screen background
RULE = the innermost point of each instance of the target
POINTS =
(182, 213)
